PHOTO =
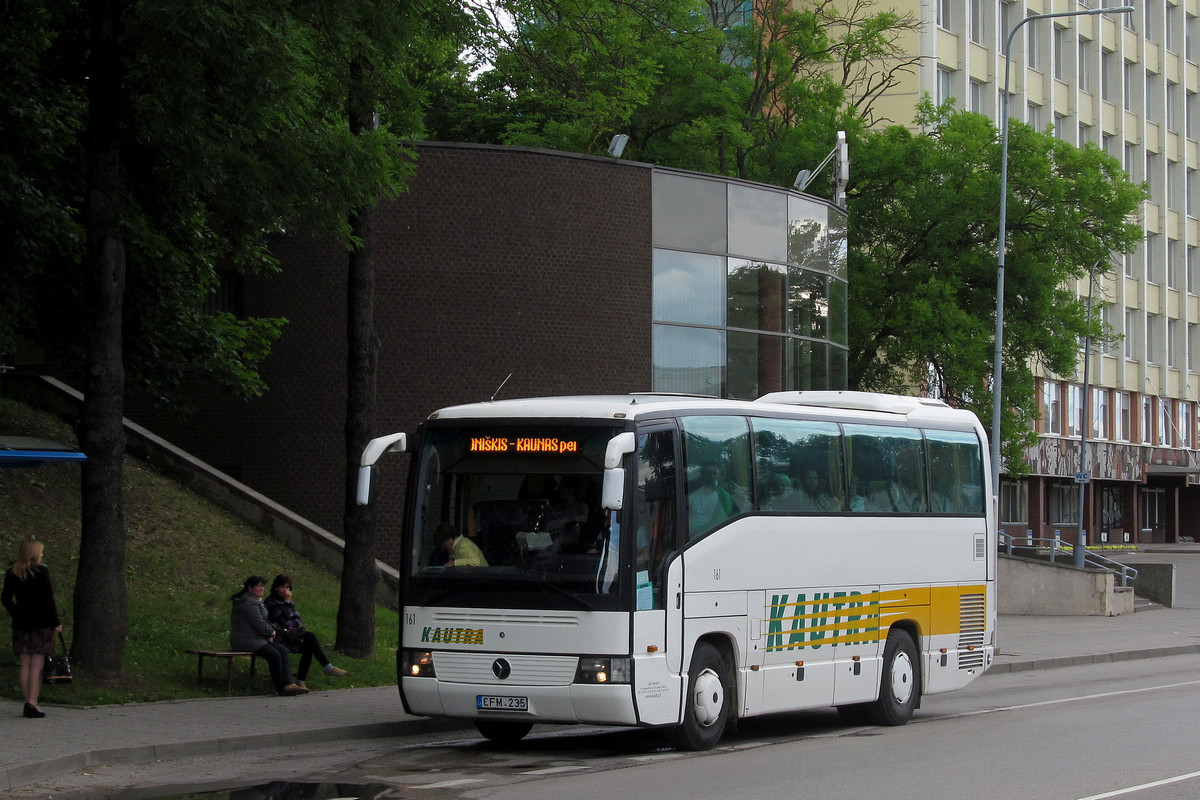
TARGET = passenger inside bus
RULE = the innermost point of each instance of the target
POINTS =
(463, 552)
(709, 503)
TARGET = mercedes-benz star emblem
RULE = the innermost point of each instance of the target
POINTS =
(501, 668)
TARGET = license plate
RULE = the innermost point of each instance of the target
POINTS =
(491, 702)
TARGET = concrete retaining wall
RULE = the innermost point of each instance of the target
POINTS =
(1156, 582)
(304, 537)
(1029, 586)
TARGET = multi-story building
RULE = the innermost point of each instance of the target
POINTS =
(1128, 83)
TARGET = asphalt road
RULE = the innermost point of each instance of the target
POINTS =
(1062, 734)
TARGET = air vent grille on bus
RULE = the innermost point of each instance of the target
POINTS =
(477, 616)
(980, 547)
(972, 624)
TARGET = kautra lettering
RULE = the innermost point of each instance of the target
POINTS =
(452, 635)
(816, 621)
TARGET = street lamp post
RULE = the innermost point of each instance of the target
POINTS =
(1084, 478)
(997, 366)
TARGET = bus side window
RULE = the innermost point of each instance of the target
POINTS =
(717, 454)
(955, 473)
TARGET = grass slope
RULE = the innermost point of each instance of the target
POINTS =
(184, 558)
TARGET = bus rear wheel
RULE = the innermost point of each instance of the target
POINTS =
(899, 687)
(502, 732)
(709, 697)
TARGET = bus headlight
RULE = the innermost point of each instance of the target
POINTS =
(417, 664)
(604, 670)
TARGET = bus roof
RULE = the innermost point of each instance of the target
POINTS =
(852, 405)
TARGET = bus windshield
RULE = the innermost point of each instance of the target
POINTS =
(510, 516)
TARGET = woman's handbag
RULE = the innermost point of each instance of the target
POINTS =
(57, 669)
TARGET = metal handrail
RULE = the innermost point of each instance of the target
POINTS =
(1056, 545)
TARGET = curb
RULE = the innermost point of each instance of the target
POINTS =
(1098, 658)
(34, 772)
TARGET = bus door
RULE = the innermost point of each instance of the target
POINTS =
(657, 642)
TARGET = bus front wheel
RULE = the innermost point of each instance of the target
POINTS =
(503, 732)
(709, 696)
(899, 687)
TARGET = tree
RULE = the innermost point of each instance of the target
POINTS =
(748, 90)
(922, 258)
(373, 63)
(196, 130)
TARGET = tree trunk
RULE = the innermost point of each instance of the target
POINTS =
(101, 605)
(356, 608)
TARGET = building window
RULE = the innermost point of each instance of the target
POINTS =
(943, 13)
(1189, 189)
(1062, 504)
(976, 11)
(1083, 74)
(1109, 77)
(1052, 408)
(1109, 340)
(1014, 502)
(1169, 35)
(1099, 413)
(1074, 410)
(1033, 116)
(748, 290)
(1127, 85)
(1059, 35)
(976, 98)
(1164, 422)
(1147, 431)
(1192, 283)
(1189, 114)
(1193, 333)
(1032, 56)
(1186, 425)
(1131, 341)
(1173, 343)
(1151, 252)
(1189, 38)
(1174, 262)
(1154, 338)
(943, 85)
(1124, 417)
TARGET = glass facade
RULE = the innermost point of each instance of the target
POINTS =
(749, 287)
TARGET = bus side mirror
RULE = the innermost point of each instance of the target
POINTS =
(365, 485)
(392, 443)
(612, 493)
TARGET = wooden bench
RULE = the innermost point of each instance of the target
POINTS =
(229, 656)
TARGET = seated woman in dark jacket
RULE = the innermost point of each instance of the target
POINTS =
(249, 630)
(282, 613)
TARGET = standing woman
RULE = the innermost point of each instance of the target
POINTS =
(250, 631)
(29, 597)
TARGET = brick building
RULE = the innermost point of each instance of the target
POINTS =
(517, 272)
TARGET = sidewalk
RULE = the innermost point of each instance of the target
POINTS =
(71, 738)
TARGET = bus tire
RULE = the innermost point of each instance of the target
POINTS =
(899, 686)
(503, 732)
(709, 697)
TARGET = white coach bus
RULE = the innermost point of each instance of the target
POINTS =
(684, 562)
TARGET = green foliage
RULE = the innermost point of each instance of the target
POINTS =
(184, 559)
(754, 91)
(234, 129)
(923, 261)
